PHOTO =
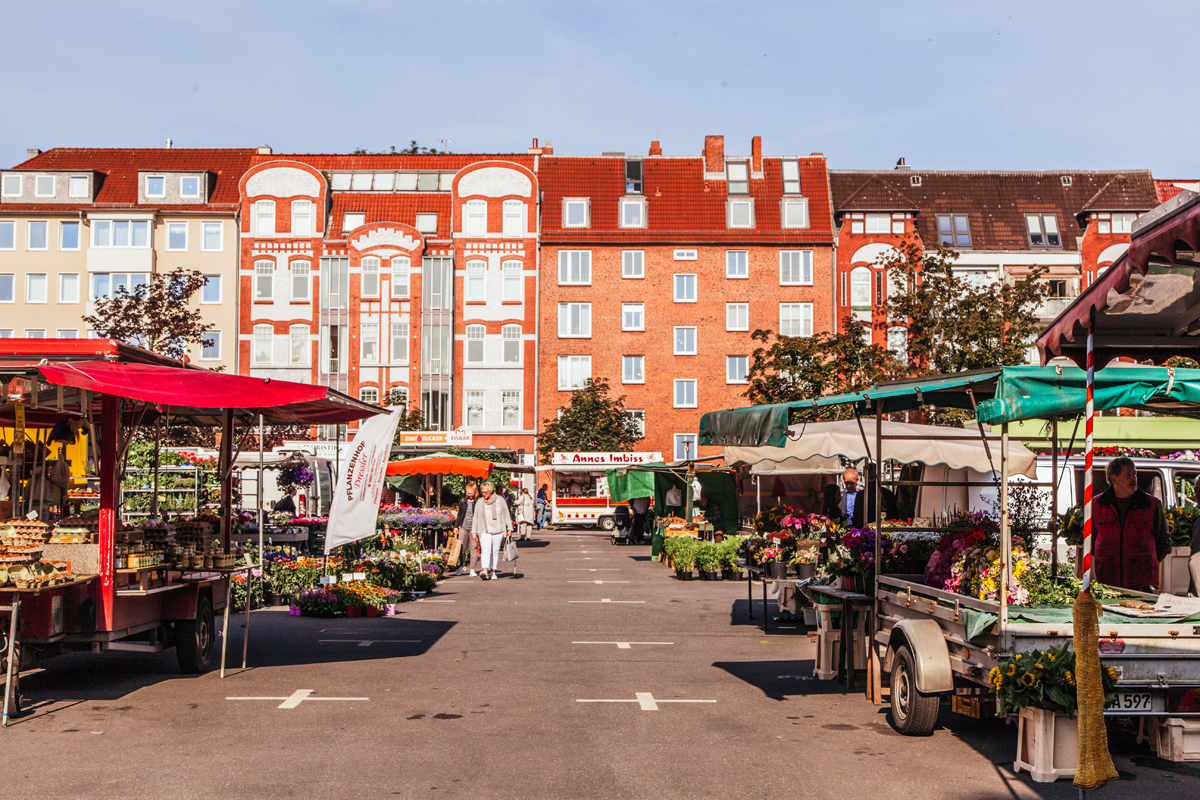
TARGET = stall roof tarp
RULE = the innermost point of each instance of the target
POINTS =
(442, 464)
(1147, 303)
(200, 395)
(816, 446)
(656, 479)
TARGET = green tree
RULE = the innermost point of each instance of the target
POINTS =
(593, 422)
(955, 325)
(155, 315)
(411, 420)
(789, 368)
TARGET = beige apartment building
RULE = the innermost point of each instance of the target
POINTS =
(77, 225)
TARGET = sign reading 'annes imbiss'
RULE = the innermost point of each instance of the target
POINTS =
(606, 459)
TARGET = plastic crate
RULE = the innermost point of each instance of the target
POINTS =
(1047, 745)
(1175, 738)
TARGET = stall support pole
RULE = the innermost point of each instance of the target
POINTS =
(1087, 468)
(1054, 498)
(250, 572)
(225, 465)
(225, 621)
(757, 494)
(13, 627)
(1005, 533)
(110, 429)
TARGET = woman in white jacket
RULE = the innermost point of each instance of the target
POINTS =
(526, 515)
(492, 523)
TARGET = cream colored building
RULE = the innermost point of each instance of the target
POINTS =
(77, 225)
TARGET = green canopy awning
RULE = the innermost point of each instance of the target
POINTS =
(656, 479)
(1044, 392)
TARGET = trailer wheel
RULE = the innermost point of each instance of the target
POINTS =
(194, 640)
(607, 523)
(913, 713)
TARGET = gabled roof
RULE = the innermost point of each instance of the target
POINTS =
(1168, 188)
(682, 205)
(996, 203)
(117, 184)
(401, 207)
(877, 195)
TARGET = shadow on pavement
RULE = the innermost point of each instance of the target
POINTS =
(779, 680)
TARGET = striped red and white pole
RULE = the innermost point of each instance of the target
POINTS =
(1087, 490)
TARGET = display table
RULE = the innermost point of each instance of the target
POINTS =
(849, 601)
(757, 573)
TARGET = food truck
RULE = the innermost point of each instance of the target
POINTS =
(579, 487)
(90, 583)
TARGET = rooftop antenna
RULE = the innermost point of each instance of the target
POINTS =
(446, 143)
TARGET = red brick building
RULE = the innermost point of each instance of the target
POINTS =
(655, 271)
(1002, 224)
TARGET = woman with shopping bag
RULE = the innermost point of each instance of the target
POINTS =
(491, 525)
(526, 515)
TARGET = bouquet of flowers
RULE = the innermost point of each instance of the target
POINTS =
(298, 476)
(807, 526)
(976, 572)
(769, 554)
(769, 520)
(860, 542)
(805, 555)
(937, 571)
(1043, 679)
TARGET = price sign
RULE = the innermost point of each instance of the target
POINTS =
(19, 427)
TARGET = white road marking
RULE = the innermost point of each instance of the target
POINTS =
(589, 569)
(599, 582)
(606, 601)
(623, 645)
(423, 600)
(645, 701)
(369, 642)
(297, 697)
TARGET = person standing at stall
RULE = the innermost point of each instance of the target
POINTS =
(287, 502)
(640, 506)
(464, 524)
(1130, 530)
(492, 524)
(543, 506)
(526, 509)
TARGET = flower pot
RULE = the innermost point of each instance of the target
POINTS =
(294, 611)
(1047, 745)
(806, 571)
(714, 575)
(683, 575)
(372, 611)
(848, 582)
(389, 610)
(732, 573)
(775, 570)
(353, 611)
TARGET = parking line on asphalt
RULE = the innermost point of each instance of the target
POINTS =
(606, 601)
(369, 642)
(599, 582)
(645, 701)
(589, 569)
(297, 697)
(623, 645)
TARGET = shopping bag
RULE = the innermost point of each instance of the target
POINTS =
(510, 550)
(455, 545)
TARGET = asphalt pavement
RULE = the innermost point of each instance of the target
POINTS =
(590, 673)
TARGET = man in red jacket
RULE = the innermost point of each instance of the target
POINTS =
(1130, 531)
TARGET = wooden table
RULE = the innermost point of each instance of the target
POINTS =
(757, 571)
(850, 601)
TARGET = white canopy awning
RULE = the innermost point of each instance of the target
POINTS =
(817, 446)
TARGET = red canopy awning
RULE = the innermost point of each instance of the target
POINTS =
(201, 395)
(441, 465)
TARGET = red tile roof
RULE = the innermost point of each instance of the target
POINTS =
(996, 202)
(117, 185)
(1169, 188)
(401, 207)
(682, 205)
(382, 163)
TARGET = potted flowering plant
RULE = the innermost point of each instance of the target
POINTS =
(805, 562)
(774, 562)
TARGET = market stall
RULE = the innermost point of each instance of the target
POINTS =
(154, 587)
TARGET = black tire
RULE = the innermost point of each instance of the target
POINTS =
(913, 712)
(607, 523)
(195, 640)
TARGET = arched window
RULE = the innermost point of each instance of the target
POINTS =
(370, 277)
(263, 340)
(299, 340)
(300, 280)
(512, 343)
(475, 344)
(302, 217)
(475, 217)
(860, 287)
(264, 218)
(512, 280)
(514, 217)
(400, 271)
(476, 281)
(264, 280)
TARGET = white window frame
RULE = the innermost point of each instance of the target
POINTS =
(732, 265)
(426, 222)
(475, 282)
(110, 225)
(732, 312)
(369, 269)
(163, 184)
(29, 276)
(791, 182)
(511, 335)
(9, 180)
(264, 212)
(29, 234)
(510, 398)
(300, 276)
(583, 268)
(680, 452)
(300, 334)
(175, 226)
(62, 230)
(475, 339)
(877, 224)
(303, 218)
(401, 266)
(633, 264)
(11, 225)
(568, 361)
(729, 373)
(804, 320)
(66, 333)
(804, 268)
(638, 415)
(35, 333)
(789, 204)
(637, 309)
(352, 220)
(513, 281)
(681, 282)
(640, 203)
(513, 220)
(368, 394)
(475, 214)
(368, 334)
(264, 345)
(736, 202)
(264, 270)
(1122, 222)
(584, 314)
(12, 287)
(474, 399)
(205, 228)
(400, 336)
(37, 185)
(676, 350)
(207, 279)
(183, 179)
(639, 369)
(587, 212)
(683, 383)
(62, 285)
(684, 255)
(737, 177)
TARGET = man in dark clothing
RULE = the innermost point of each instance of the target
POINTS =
(1130, 531)
(858, 505)
(288, 502)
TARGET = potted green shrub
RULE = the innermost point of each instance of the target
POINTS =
(728, 553)
(685, 558)
(708, 561)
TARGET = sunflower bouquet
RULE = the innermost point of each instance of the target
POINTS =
(1043, 679)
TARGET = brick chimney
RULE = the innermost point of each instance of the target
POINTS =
(655, 148)
(714, 154)
(548, 148)
(756, 154)
(32, 152)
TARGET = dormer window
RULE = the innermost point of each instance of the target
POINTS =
(189, 186)
(633, 212)
(156, 186)
(576, 212)
(427, 223)
(353, 219)
(737, 177)
(740, 214)
(633, 176)
(44, 186)
(78, 186)
(1043, 230)
(791, 177)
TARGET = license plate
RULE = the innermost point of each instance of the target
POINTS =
(1131, 702)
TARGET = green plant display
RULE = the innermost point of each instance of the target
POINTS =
(1043, 679)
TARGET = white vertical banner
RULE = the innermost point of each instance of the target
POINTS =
(355, 509)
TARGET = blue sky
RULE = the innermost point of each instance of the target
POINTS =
(1014, 85)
